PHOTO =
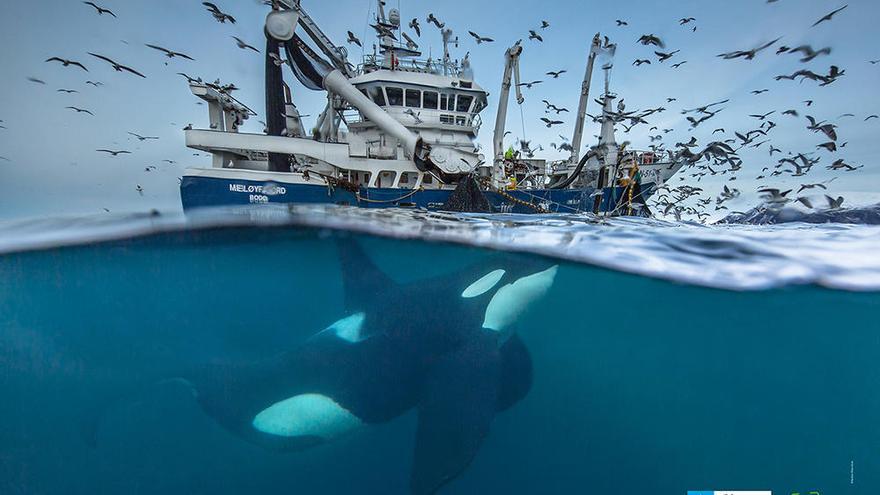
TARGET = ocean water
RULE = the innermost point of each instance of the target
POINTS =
(666, 357)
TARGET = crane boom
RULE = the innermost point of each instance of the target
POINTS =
(511, 75)
(338, 55)
(585, 98)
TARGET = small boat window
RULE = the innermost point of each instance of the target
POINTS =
(460, 121)
(464, 103)
(395, 97)
(447, 119)
(430, 100)
(377, 96)
(413, 98)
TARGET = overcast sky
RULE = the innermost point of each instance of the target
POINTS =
(50, 166)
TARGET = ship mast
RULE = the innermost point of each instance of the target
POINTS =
(576, 140)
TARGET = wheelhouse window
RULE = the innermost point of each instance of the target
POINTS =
(430, 99)
(413, 98)
(480, 105)
(464, 103)
(395, 96)
(377, 95)
(447, 102)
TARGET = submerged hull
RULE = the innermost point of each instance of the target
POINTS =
(233, 189)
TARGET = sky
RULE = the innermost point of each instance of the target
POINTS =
(50, 166)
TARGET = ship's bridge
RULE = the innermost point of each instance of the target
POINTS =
(422, 101)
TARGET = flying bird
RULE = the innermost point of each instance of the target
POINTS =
(414, 25)
(556, 74)
(529, 84)
(665, 56)
(142, 138)
(480, 39)
(650, 39)
(433, 20)
(100, 10)
(621, 23)
(95, 83)
(35, 80)
(67, 63)
(68, 91)
(535, 36)
(244, 46)
(169, 53)
(114, 153)
(641, 61)
(747, 54)
(218, 14)
(829, 15)
(352, 39)
(545, 24)
(809, 53)
(80, 110)
(117, 66)
(551, 123)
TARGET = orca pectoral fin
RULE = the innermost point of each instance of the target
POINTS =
(516, 372)
(460, 399)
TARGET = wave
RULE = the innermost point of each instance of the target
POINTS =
(732, 257)
(764, 215)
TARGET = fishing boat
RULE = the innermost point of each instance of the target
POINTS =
(400, 131)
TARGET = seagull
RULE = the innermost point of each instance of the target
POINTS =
(551, 123)
(747, 54)
(809, 53)
(100, 10)
(665, 56)
(639, 62)
(116, 66)
(480, 39)
(556, 74)
(168, 53)
(621, 23)
(675, 66)
(352, 39)
(650, 39)
(68, 91)
(828, 16)
(811, 186)
(67, 63)
(759, 91)
(142, 138)
(35, 80)
(95, 83)
(139, 189)
(190, 79)
(244, 46)
(411, 113)
(764, 116)
(414, 25)
(219, 15)
(535, 36)
(80, 110)
(871, 117)
(433, 20)
(529, 84)
(410, 43)
(831, 146)
(686, 20)
(114, 153)
(834, 204)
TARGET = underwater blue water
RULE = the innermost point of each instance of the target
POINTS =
(666, 357)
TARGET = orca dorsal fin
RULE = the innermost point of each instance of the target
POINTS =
(362, 280)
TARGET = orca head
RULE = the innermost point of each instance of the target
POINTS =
(511, 300)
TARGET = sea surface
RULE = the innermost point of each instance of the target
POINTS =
(667, 357)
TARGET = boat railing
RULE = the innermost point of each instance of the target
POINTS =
(372, 63)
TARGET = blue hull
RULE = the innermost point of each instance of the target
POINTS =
(200, 192)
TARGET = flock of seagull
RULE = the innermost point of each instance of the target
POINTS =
(718, 157)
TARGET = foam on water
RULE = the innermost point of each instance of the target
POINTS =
(736, 257)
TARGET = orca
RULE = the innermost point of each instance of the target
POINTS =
(445, 346)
